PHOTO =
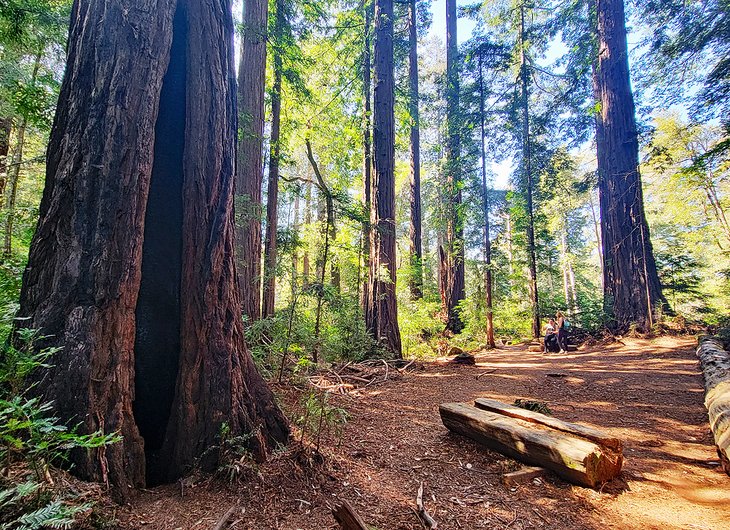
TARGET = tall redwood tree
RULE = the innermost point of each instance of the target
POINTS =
(631, 285)
(416, 248)
(249, 168)
(455, 287)
(382, 317)
(131, 270)
(272, 197)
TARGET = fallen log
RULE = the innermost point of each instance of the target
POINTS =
(715, 365)
(570, 456)
(589, 433)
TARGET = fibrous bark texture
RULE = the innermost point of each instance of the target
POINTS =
(455, 223)
(139, 191)
(715, 365)
(382, 317)
(631, 284)
(249, 168)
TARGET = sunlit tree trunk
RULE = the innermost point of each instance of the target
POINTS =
(486, 210)
(382, 316)
(454, 222)
(140, 300)
(632, 291)
(249, 170)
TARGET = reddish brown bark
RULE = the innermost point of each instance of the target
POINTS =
(382, 316)
(454, 222)
(367, 145)
(272, 197)
(249, 169)
(120, 170)
(416, 249)
(632, 290)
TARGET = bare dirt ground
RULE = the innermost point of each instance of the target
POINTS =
(649, 393)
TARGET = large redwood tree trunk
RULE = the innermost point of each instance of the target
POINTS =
(131, 270)
(382, 316)
(632, 290)
(249, 169)
(455, 289)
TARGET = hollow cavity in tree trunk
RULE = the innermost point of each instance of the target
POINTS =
(157, 342)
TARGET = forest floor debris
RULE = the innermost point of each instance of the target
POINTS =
(648, 393)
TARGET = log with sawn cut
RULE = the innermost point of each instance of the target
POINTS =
(570, 456)
(715, 365)
(589, 433)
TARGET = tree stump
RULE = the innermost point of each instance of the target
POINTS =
(715, 365)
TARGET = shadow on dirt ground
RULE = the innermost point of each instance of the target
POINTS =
(648, 393)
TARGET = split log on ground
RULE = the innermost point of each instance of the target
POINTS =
(572, 457)
(582, 431)
(535, 348)
(715, 365)
(347, 517)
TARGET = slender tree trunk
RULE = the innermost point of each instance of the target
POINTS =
(486, 209)
(632, 290)
(139, 187)
(455, 221)
(11, 190)
(416, 252)
(382, 316)
(11, 185)
(307, 224)
(369, 6)
(295, 251)
(527, 175)
(597, 231)
(328, 233)
(272, 199)
(249, 170)
(6, 126)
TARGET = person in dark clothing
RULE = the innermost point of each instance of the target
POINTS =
(551, 337)
(562, 332)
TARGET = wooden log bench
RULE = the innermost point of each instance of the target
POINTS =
(582, 455)
(715, 365)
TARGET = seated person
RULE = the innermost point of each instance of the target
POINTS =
(551, 337)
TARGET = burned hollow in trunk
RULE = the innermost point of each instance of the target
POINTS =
(131, 276)
(157, 338)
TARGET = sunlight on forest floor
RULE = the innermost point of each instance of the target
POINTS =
(648, 393)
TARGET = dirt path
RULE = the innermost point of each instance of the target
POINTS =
(649, 393)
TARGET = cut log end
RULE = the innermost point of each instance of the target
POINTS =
(565, 452)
